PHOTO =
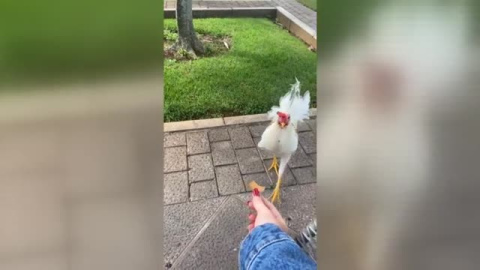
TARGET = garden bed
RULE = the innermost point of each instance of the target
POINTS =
(258, 67)
(214, 45)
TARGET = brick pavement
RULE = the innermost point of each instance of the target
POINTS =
(300, 11)
(215, 162)
(206, 174)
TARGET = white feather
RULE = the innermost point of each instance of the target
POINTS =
(284, 142)
(294, 104)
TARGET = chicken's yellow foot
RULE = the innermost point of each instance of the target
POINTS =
(276, 192)
(274, 165)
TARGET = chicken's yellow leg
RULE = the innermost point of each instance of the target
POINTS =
(276, 191)
(274, 165)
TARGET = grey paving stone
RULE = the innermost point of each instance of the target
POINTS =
(182, 222)
(223, 153)
(303, 13)
(215, 250)
(313, 157)
(298, 205)
(249, 161)
(313, 124)
(200, 168)
(293, 7)
(175, 189)
(218, 134)
(261, 178)
(229, 180)
(287, 180)
(303, 126)
(174, 139)
(203, 190)
(197, 143)
(308, 142)
(175, 159)
(257, 130)
(305, 175)
(264, 154)
(241, 137)
(299, 159)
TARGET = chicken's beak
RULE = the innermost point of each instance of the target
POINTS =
(282, 124)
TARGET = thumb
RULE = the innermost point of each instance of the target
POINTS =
(259, 205)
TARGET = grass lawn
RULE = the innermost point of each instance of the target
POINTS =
(312, 4)
(262, 63)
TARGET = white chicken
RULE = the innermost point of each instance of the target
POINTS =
(280, 137)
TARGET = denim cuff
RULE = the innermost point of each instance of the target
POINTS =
(264, 235)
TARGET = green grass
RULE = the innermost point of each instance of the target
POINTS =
(312, 4)
(250, 79)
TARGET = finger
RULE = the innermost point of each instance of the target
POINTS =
(250, 205)
(259, 205)
(252, 217)
(250, 227)
(276, 214)
(272, 208)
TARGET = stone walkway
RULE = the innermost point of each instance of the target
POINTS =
(206, 185)
(300, 11)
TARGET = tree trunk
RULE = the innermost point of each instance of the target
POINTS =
(187, 38)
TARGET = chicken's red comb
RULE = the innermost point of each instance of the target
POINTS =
(281, 114)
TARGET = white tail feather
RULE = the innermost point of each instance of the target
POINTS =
(293, 104)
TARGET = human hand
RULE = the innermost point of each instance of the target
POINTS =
(266, 212)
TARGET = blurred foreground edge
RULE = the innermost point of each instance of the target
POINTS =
(81, 176)
(398, 167)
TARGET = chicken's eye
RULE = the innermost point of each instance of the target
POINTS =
(288, 117)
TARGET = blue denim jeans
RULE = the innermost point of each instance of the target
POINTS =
(268, 247)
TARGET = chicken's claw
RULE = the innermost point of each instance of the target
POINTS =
(276, 192)
(274, 165)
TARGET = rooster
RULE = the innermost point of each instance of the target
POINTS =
(280, 137)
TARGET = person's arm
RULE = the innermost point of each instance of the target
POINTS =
(268, 247)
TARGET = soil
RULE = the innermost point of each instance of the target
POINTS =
(214, 46)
